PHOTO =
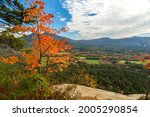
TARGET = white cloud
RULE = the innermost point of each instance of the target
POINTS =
(62, 19)
(108, 18)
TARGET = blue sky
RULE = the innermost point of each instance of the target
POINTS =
(61, 16)
(90, 19)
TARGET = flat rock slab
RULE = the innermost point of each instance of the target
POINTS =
(78, 92)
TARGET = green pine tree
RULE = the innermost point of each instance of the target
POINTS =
(8, 40)
(12, 12)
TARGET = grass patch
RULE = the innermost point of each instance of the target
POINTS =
(92, 61)
(89, 61)
(81, 57)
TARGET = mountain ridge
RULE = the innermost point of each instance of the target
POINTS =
(122, 43)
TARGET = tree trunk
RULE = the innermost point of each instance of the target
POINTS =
(148, 89)
(47, 64)
(40, 61)
(39, 39)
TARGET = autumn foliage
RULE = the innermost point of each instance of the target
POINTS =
(146, 59)
(44, 46)
(148, 65)
(10, 60)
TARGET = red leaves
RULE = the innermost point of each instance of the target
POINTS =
(64, 29)
(44, 45)
(20, 28)
(40, 3)
(147, 66)
(46, 18)
(11, 60)
(31, 60)
(31, 29)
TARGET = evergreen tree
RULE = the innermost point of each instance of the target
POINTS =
(12, 12)
(8, 40)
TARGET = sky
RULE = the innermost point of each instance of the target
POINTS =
(91, 19)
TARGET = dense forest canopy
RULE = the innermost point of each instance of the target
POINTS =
(126, 79)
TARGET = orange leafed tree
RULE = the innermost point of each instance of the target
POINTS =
(11, 60)
(44, 45)
(147, 66)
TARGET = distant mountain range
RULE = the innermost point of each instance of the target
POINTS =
(124, 43)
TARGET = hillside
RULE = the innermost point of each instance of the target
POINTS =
(130, 43)
(142, 43)
(72, 91)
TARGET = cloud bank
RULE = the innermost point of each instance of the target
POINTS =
(108, 18)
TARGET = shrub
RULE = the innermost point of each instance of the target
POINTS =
(17, 83)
